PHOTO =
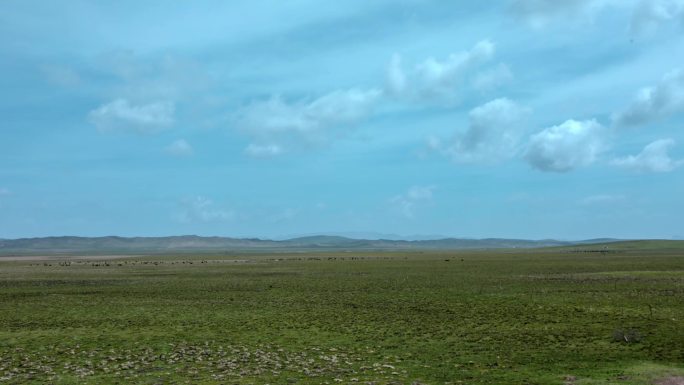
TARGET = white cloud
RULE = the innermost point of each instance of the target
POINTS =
(436, 74)
(120, 114)
(434, 78)
(657, 102)
(649, 15)
(180, 148)
(277, 126)
(493, 78)
(565, 147)
(494, 133)
(406, 203)
(201, 209)
(653, 158)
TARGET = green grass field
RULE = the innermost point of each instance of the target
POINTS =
(495, 317)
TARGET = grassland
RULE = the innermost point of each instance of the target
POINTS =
(564, 316)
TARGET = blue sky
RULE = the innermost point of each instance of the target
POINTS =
(511, 118)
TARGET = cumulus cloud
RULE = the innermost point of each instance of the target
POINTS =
(435, 78)
(406, 203)
(202, 209)
(649, 15)
(653, 103)
(437, 75)
(277, 126)
(180, 148)
(494, 132)
(653, 158)
(120, 114)
(565, 147)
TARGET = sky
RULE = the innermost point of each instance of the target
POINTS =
(506, 118)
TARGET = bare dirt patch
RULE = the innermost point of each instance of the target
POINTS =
(671, 380)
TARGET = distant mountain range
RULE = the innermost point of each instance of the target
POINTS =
(369, 235)
(194, 244)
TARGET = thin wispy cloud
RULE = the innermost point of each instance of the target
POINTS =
(282, 215)
(493, 78)
(650, 15)
(202, 209)
(543, 13)
(179, 148)
(167, 77)
(263, 150)
(396, 81)
(602, 200)
(276, 125)
(122, 115)
(61, 76)
(646, 16)
(406, 204)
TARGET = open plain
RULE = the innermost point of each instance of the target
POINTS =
(573, 315)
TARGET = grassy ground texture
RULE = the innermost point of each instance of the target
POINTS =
(558, 316)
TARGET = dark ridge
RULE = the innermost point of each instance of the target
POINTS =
(194, 243)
